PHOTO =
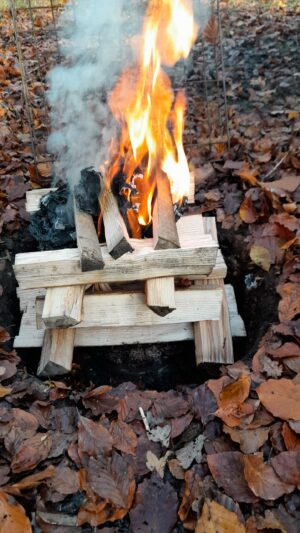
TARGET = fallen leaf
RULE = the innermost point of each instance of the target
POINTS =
(30, 482)
(231, 406)
(193, 490)
(289, 349)
(289, 305)
(176, 469)
(227, 469)
(160, 434)
(247, 174)
(287, 467)
(262, 479)
(216, 518)
(190, 452)
(261, 257)
(155, 507)
(281, 397)
(31, 452)
(204, 403)
(4, 335)
(65, 480)
(112, 479)
(4, 391)
(124, 438)
(250, 440)
(12, 516)
(93, 439)
(247, 211)
(211, 31)
(291, 439)
(157, 465)
(180, 424)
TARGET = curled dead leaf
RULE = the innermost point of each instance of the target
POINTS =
(215, 518)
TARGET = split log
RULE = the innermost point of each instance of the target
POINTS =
(30, 336)
(87, 241)
(63, 306)
(33, 199)
(57, 352)
(129, 309)
(165, 234)
(116, 234)
(160, 295)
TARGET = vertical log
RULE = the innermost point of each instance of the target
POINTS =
(165, 234)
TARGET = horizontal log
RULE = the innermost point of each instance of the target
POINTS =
(30, 337)
(130, 309)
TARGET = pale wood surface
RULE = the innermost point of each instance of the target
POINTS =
(33, 198)
(213, 339)
(130, 309)
(87, 241)
(116, 234)
(196, 257)
(30, 336)
(62, 307)
(165, 234)
(160, 295)
(57, 352)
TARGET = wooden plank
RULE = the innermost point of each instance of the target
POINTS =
(62, 306)
(57, 352)
(116, 234)
(129, 309)
(165, 234)
(30, 336)
(196, 257)
(213, 339)
(33, 198)
(87, 241)
(160, 295)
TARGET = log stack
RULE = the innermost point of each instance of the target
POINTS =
(81, 296)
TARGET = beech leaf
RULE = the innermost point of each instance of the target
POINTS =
(12, 516)
(281, 397)
(263, 480)
(216, 518)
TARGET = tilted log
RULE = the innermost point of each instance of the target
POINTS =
(116, 234)
(165, 235)
(87, 241)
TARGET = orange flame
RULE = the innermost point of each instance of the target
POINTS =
(143, 103)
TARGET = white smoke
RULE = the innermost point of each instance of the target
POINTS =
(95, 45)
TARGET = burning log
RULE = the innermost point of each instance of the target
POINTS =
(116, 234)
(165, 234)
(57, 352)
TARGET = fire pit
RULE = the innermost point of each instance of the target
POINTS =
(81, 296)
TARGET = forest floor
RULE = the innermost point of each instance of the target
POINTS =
(224, 446)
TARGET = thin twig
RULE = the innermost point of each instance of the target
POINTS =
(277, 166)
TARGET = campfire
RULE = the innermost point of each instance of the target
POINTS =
(150, 278)
(148, 158)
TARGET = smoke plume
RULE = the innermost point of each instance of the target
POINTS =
(96, 46)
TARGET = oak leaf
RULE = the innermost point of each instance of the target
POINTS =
(281, 397)
(262, 479)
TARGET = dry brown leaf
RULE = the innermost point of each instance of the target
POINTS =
(211, 31)
(31, 452)
(193, 490)
(227, 469)
(289, 305)
(155, 464)
(247, 211)
(250, 440)
(216, 518)
(248, 174)
(231, 402)
(30, 482)
(262, 479)
(4, 391)
(12, 516)
(291, 439)
(287, 467)
(93, 438)
(281, 397)
(124, 438)
(261, 257)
